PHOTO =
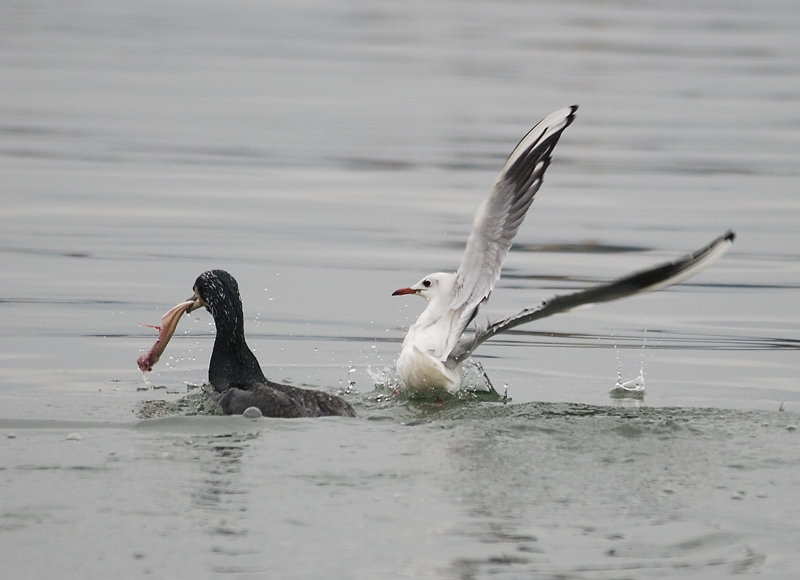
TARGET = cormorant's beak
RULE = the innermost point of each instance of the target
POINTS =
(196, 302)
(404, 291)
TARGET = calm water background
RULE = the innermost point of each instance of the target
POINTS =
(327, 153)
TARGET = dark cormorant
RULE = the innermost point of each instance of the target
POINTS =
(234, 372)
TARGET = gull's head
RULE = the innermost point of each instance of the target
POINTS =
(431, 287)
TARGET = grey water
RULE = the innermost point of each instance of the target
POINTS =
(328, 153)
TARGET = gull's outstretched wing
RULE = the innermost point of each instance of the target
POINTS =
(499, 217)
(637, 283)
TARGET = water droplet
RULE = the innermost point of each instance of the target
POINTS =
(252, 413)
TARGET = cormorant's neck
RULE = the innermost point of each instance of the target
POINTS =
(232, 361)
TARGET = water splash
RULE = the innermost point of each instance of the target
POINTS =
(635, 385)
(475, 379)
(351, 382)
(388, 388)
(633, 388)
(383, 377)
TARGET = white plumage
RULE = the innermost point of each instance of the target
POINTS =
(453, 299)
(435, 347)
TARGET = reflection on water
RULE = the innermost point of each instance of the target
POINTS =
(538, 490)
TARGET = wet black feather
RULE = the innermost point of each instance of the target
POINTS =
(234, 372)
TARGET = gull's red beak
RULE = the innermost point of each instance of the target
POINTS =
(404, 291)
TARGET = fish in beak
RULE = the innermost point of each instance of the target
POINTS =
(169, 322)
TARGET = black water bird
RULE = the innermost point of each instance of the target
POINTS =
(234, 372)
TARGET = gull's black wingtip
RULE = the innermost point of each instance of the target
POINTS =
(729, 236)
(570, 117)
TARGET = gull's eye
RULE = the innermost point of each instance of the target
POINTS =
(426, 283)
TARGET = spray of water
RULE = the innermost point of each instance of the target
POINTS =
(633, 388)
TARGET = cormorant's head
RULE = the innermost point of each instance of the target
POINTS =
(219, 293)
(232, 361)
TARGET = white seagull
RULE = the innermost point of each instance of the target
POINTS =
(435, 347)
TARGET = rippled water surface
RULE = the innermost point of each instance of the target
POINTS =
(328, 153)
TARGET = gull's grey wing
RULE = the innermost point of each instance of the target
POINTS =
(499, 217)
(637, 283)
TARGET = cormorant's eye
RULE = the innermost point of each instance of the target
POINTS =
(426, 283)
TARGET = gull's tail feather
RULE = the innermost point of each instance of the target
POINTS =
(637, 283)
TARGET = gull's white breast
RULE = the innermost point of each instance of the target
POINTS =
(422, 372)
